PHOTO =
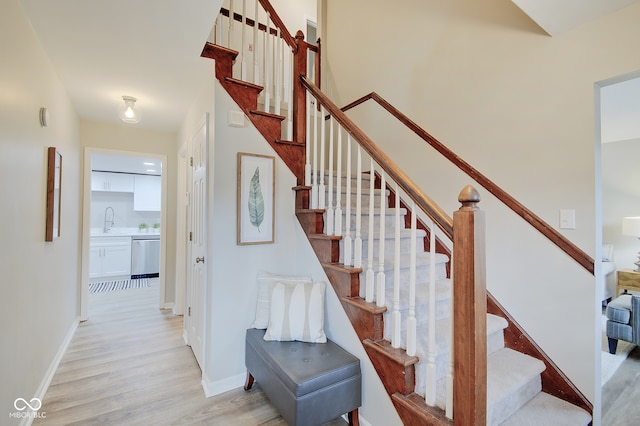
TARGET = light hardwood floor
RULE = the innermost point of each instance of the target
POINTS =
(128, 365)
(620, 395)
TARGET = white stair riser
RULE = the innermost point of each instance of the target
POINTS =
(422, 273)
(390, 222)
(365, 199)
(390, 245)
(442, 356)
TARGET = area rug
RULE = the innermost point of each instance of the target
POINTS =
(105, 286)
(610, 363)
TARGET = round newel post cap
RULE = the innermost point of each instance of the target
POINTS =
(469, 197)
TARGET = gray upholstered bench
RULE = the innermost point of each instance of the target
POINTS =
(309, 383)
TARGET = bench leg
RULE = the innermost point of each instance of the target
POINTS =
(354, 420)
(249, 382)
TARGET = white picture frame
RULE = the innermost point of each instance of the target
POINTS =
(255, 199)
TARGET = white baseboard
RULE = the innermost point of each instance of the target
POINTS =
(167, 305)
(53, 367)
(221, 386)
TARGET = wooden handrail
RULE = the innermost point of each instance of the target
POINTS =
(286, 35)
(543, 227)
(423, 202)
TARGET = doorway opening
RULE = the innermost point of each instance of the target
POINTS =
(123, 224)
(617, 144)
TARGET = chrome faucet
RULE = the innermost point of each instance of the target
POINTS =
(108, 224)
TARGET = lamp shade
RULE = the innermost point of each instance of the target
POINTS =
(631, 226)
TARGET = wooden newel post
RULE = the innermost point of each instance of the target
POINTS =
(469, 312)
(299, 92)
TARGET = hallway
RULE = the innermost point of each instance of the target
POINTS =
(128, 365)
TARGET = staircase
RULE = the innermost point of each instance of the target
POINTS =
(514, 395)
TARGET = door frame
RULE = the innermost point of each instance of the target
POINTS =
(86, 224)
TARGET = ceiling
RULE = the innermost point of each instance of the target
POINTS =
(126, 164)
(558, 16)
(150, 49)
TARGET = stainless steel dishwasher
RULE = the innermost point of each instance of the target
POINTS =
(145, 256)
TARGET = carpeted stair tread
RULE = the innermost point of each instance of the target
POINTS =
(495, 323)
(547, 410)
(513, 378)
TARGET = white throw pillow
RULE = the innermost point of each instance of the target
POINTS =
(265, 279)
(297, 312)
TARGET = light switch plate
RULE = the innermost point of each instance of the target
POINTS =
(567, 219)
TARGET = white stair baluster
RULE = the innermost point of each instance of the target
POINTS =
(395, 316)
(338, 212)
(268, 54)
(278, 71)
(348, 241)
(231, 25)
(307, 150)
(369, 275)
(411, 320)
(289, 88)
(243, 66)
(380, 278)
(330, 209)
(322, 188)
(450, 372)
(256, 27)
(430, 393)
(314, 186)
(357, 249)
(216, 34)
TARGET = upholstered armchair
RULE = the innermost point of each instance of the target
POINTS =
(623, 320)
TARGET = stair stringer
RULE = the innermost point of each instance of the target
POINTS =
(246, 97)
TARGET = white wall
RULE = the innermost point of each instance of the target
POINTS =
(122, 203)
(39, 283)
(124, 138)
(232, 286)
(515, 103)
(294, 14)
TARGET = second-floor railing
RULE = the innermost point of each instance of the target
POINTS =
(267, 55)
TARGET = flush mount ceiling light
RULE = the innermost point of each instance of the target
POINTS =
(128, 112)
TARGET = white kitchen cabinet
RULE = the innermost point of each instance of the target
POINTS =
(146, 194)
(109, 256)
(114, 182)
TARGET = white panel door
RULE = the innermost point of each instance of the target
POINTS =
(196, 308)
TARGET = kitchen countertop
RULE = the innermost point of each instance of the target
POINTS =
(125, 232)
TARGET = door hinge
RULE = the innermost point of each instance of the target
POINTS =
(191, 160)
(189, 311)
(190, 236)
